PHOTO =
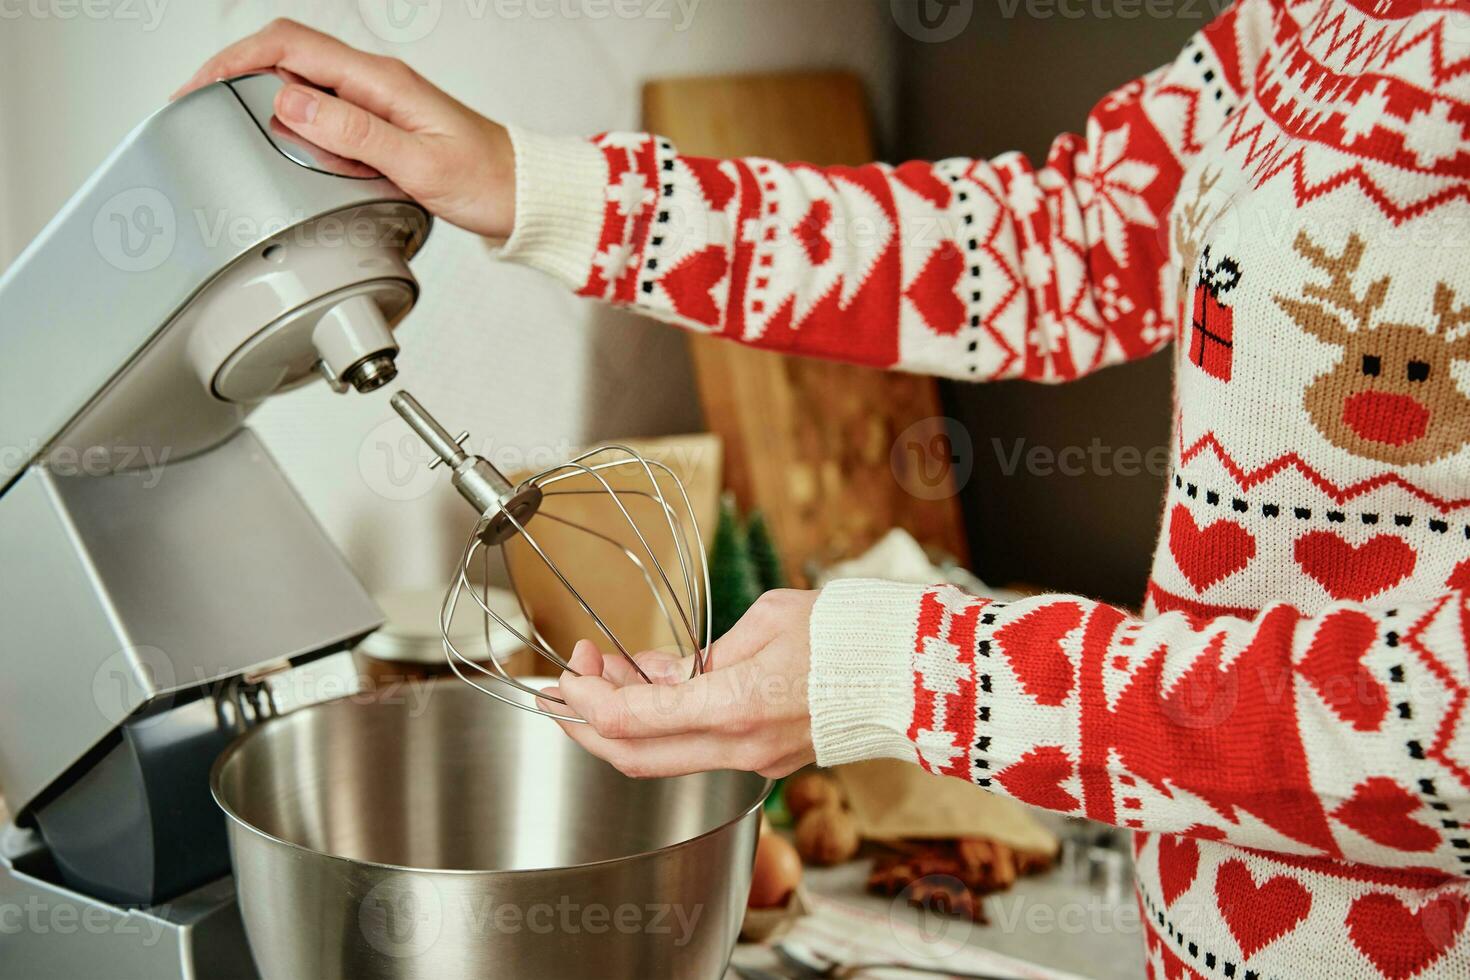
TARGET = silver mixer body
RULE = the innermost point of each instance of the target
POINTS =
(158, 567)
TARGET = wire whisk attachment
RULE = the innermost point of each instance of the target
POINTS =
(649, 511)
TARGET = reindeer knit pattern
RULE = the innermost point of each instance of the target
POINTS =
(1287, 203)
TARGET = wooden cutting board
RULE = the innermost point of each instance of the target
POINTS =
(808, 442)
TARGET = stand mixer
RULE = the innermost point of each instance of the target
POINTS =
(160, 570)
(176, 621)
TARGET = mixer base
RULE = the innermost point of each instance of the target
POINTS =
(49, 932)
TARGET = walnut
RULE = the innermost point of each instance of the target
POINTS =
(811, 791)
(827, 835)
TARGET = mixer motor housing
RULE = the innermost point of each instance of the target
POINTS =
(159, 568)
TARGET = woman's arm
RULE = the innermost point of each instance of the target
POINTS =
(1337, 734)
(979, 269)
(970, 268)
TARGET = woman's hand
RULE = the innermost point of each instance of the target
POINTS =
(749, 711)
(450, 159)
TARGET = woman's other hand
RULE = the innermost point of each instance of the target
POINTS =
(749, 711)
(452, 160)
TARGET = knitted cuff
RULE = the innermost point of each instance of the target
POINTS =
(861, 686)
(561, 192)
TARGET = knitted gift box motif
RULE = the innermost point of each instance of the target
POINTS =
(1212, 327)
(1287, 726)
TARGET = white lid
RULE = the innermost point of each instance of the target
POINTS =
(411, 634)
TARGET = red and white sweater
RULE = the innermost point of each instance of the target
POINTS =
(1287, 203)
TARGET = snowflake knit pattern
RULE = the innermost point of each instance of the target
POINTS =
(1285, 209)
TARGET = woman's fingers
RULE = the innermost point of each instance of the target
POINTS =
(740, 644)
(347, 130)
(586, 659)
(749, 712)
(456, 163)
(763, 622)
(315, 56)
(381, 85)
(678, 755)
(658, 666)
(670, 755)
(635, 711)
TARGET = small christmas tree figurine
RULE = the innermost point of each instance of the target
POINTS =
(734, 585)
(763, 553)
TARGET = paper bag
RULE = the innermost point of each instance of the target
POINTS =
(894, 800)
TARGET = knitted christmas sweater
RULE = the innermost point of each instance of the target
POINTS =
(1285, 208)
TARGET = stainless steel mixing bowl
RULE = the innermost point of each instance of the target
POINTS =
(435, 833)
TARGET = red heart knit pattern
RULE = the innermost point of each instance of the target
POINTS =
(1033, 645)
(1460, 577)
(1178, 865)
(1258, 915)
(1383, 811)
(1401, 943)
(1208, 555)
(691, 285)
(715, 186)
(1355, 572)
(920, 178)
(1334, 665)
(1037, 778)
(933, 292)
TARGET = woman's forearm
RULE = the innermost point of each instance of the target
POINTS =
(971, 268)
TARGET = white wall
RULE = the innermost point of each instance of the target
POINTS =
(500, 351)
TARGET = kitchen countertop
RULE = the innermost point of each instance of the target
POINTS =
(1046, 920)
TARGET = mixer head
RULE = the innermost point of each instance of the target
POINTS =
(619, 478)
